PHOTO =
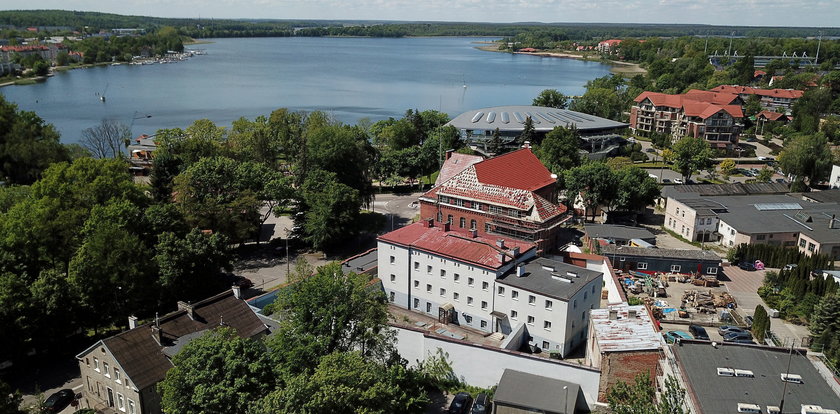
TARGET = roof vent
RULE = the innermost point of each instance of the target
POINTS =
(632, 313)
(748, 408)
(548, 268)
(725, 372)
(520, 270)
(772, 409)
(794, 378)
(744, 373)
(500, 243)
(571, 274)
(613, 314)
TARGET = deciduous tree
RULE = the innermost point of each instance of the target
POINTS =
(594, 183)
(107, 139)
(560, 150)
(551, 98)
(691, 155)
(807, 157)
(332, 209)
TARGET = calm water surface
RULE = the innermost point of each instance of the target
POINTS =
(352, 78)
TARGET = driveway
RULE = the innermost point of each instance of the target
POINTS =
(743, 285)
(399, 209)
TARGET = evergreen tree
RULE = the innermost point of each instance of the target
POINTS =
(528, 133)
(495, 146)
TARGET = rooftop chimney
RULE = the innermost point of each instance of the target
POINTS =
(157, 333)
(449, 153)
(516, 251)
(632, 313)
(500, 243)
(613, 314)
(571, 274)
(237, 291)
(520, 270)
(502, 257)
(473, 233)
(527, 144)
(447, 225)
(430, 222)
(831, 222)
(187, 307)
(132, 322)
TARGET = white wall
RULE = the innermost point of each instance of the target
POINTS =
(834, 181)
(483, 366)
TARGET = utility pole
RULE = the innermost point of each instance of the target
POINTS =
(784, 387)
(819, 42)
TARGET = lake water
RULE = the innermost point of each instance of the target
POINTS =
(351, 78)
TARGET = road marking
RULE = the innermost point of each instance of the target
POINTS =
(77, 387)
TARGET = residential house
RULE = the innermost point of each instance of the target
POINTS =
(490, 285)
(770, 98)
(767, 115)
(617, 234)
(623, 343)
(120, 373)
(512, 195)
(627, 258)
(520, 392)
(715, 117)
(608, 46)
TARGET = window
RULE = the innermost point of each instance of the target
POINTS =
(442, 292)
(487, 227)
(483, 324)
(416, 284)
(545, 345)
(117, 371)
(548, 305)
(547, 325)
(501, 291)
(514, 294)
(391, 297)
(449, 218)
(429, 288)
(811, 247)
(416, 303)
(462, 222)
(675, 268)
(711, 270)
(760, 236)
(485, 285)
(641, 266)
(455, 295)
(470, 281)
(513, 314)
(429, 269)
(442, 273)
(678, 211)
(428, 307)
(584, 295)
(801, 244)
(473, 225)
(468, 319)
(440, 216)
(105, 369)
(87, 361)
(469, 300)
(483, 304)
(96, 364)
(583, 316)
(574, 304)
(416, 265)
(131, 409)
(530, 320)
(393, 259)
(456, 277)
(393, 278)
(532, 300)
(121, 402)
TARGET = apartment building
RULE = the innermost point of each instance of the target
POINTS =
(512, 196)
(490, 285)
(769, 98)
(715, 117)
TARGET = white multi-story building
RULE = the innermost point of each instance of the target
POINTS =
(491, 285)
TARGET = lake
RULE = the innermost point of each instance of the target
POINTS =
(351, 78)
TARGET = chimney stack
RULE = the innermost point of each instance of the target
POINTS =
(515, 251)
(613, 314)
(157, 333)
(449, 153)
(187, 307)
(502, 257)
(632, 313)
(132, 322)
(500, 243)
(520, 270)
(430, 222)
(237, 291)
(831, 222)
(473, 233)
(527, 144)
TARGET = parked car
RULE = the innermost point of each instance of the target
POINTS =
(671, 336)
(742, 341)
(749, 321)
(678, 181)
(651, 150)
(59, 400)
(460, 404)
(737, 336)
(747, 266)
(724, 329)
(481, 404)
(699, 332)
(666, 181)
(790, 266)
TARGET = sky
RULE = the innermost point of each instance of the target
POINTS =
(810, 13)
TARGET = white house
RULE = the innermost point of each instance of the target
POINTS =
(491, 285)
(834, 180)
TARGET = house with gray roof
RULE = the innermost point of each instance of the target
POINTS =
(617, 234)
(685, 261)
(521, 392)
(120, 373)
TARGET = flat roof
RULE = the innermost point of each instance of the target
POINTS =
(512, 118)
(617, 231)
(610, 250)
(360, 263)
(550, 278)
(624, 333)
(719, 394)
(526, 390)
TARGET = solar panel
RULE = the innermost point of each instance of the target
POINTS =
(777, 206)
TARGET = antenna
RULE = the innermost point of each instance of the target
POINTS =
(819, 42)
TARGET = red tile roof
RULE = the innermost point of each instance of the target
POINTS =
(747, 90)
(456, 244)
(610, 42)
(770, 115)
(456, 163)
(695, 102)
(519, 169)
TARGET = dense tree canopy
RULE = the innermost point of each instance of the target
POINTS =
(807, 157)
(28, 145)
(560, 150)
(691, 155)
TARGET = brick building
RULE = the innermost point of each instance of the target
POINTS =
(512, 195)
(713, 116)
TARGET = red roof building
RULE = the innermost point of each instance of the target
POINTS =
(510, 195)
(713, 115)
(454, 164)
(770, 98)
(772, 116)
(608, 45)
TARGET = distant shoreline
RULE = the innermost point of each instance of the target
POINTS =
(617, 67)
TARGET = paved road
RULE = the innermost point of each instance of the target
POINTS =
(400, 209)
(743, 285)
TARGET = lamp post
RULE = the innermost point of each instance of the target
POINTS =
(566, 399)
(288, 261)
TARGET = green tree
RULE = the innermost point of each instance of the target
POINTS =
(495, 146)
(329, 312)
(332, 209)
(639, 398)
(602, 102)
(528, 134)
(825, 327)
(10, 400)
(761, 323)
(219, 372)
(107, 139)
(347, 382)
(765, 175)
(807, 157)
(727, 167)
(189, 267)
(595, 183)
(28, 145)
(551, 98)
(691, 155)
(560, 150)
(635, 189)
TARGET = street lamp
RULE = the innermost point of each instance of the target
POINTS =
(566, 400)
(288, 261)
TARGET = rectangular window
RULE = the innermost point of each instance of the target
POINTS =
(811, 247)
(532, 300)
(468, 319)
(392, 297)
(105, 369)
(121, 402)
(117, 375)
(485, 285)
(456, 277)
(530, 320)
(513, 314)
(470, 281)
(501, 291)
(760, 237)
(393, 259)
(131, 409)
(545, 345)
(548, 305)
(469, 300)
(514, 294)
(393, 278)
(429, 288)
(711, 270)
(429, 269)
(442, 292)
(801, 244)
(416, 303)
(442, 273)
(487, 227)
(547, 325)
(483, 324)
(483, 304)
(416, 265)
(641, 266)
(416, 284)
(428, 307)
(675, 268)
(455, 295)
(96, 364)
